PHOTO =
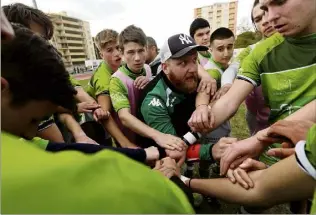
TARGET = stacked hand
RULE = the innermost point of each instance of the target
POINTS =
(141, 82)
(168, 167)
(202, 119)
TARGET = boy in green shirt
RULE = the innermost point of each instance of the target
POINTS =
(125, 87)
(43, 183)
(99, 84)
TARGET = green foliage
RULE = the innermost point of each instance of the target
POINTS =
(247, 38)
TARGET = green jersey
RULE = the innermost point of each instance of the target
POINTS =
(74, 82)
(285, 67)
(37, 182)
(119, 91)
(99, 83)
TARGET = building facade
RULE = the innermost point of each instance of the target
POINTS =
(219, 15)
(72, 37)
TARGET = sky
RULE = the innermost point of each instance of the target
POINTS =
(158, 18)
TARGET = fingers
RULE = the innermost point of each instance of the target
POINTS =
(230, 176)
(141, 82)
(243, 178)
(213, 88)
(238, 161)
(281, 152)
(201, 87)
(251, 164)
(208, 89)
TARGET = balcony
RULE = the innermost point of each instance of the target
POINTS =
(71, 22)
(73, 35)
(78, 59)
(74, 42)
(73, 29)
(77, 54)
(75, 47)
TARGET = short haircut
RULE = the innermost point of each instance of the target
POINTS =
(132, 34)
(24, 15)
(105, 37)
(35, 71)
(197, 24)
(151, 41)
(221, 34)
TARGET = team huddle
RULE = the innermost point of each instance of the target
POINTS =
(118, 145)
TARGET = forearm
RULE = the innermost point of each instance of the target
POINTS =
(72, 125)
(137, 126)
(292, 184)
(82, 96)
(51, 133)
(202, 98)
(227, 106)
(105, 102)
(135, 154)
(111, 127)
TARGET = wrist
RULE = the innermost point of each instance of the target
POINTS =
(200, 105)
(155, 135)
(79, 135)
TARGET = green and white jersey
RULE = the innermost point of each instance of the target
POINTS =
(286, 69)
(204, 58)
(70, 182)
(99, 83)
(119, 92)
(306, 158)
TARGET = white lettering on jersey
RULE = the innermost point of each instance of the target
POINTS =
(155, 102)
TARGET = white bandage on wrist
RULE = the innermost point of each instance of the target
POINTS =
(184, 179)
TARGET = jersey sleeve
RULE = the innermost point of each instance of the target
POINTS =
(118, 94)
(155, 114)
(249, 70)
(74, 82)
(101, 84)
(230, 73)
(214, 73)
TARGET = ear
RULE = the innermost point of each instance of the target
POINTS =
(4, 85)
(165, 69)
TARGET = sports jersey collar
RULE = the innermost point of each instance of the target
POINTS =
(105, 67)
(305, 40)
(207, 55)
(132, 74)
(218, 64)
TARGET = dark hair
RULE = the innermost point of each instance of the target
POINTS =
(35, 71)
(132, 34)
(221, 33)
(23, 14)
(151, 41)
(256, 2)
(197, 24)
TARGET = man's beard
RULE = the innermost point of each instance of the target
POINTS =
(184, 85)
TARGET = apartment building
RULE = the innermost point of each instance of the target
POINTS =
(219, 15)
(72, 38)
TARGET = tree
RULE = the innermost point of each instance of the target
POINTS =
(247, 38)
(244, 25)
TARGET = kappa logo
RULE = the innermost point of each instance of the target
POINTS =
(185, 39)
(155, 102)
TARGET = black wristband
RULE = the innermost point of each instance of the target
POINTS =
(162, 152)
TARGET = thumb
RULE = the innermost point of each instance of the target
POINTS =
(281, 152)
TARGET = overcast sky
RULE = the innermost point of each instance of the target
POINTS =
(159, 19)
